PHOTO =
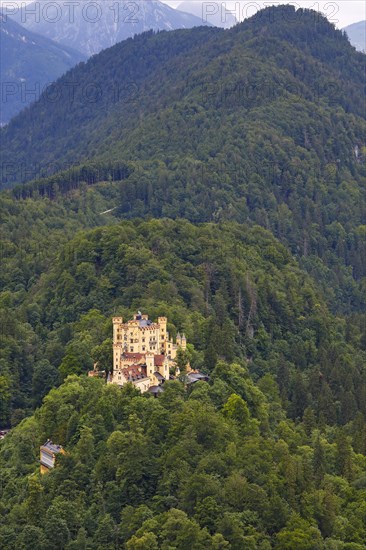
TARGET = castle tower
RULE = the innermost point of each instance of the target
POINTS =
(163, 335)
(150, 366)
(162, 321)
(183, 342)
(117, 347)
(117, 352)
(117, 321)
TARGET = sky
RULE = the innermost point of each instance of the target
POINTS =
(340, 12)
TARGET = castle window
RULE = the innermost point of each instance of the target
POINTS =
(143, 348)
(131, 349)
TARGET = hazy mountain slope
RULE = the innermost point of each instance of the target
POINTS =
(237, 71)
(29, 63)
(107, 86)
(263, 123)
(357, 35)
(91, 27)
(210, 12)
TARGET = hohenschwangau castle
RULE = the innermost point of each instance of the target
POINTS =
(143, 353)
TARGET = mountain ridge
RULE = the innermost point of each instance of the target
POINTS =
(356, 33)
(213, 13)
(247, 124)
(29, 63)
(213, 43)
(91, 27)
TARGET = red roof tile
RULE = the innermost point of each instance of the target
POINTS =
(134, 372)
(129, 355)
(159, 360)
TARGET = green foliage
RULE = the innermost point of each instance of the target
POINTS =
(270, 452)
(176, 473)
(263, 126)
(219, 284)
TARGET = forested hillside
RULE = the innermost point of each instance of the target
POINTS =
(235, 291)
(221, 184)
(262, 124)
(269, 453)
(277, 57)
(215, 468)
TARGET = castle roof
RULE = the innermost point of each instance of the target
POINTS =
(145, 322)
(51, 447)
(159, 360)
(155, 389)
(134, 372)
(130, 356)
(138, 358)
(196, 376)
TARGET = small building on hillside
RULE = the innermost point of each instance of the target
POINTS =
(196, 376)
(143, 352)
(48, 453)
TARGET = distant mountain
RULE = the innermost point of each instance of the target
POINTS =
(142, 87)
(91, 27)
(29, 63)
(210, 12)
(357, 35)
(262, 122)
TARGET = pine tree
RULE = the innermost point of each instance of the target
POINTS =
(318, 461)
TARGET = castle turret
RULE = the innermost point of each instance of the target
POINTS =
(150, 366)
(183, 342)
(117, 321)
(163, 335)
(162, 321)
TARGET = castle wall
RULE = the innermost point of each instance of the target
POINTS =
(139, 336)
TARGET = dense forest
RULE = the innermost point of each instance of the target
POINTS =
(261, 124)
(269, 453)
(218, 467)
(237, 210)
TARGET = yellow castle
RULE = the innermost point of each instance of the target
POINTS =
(143, 352)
